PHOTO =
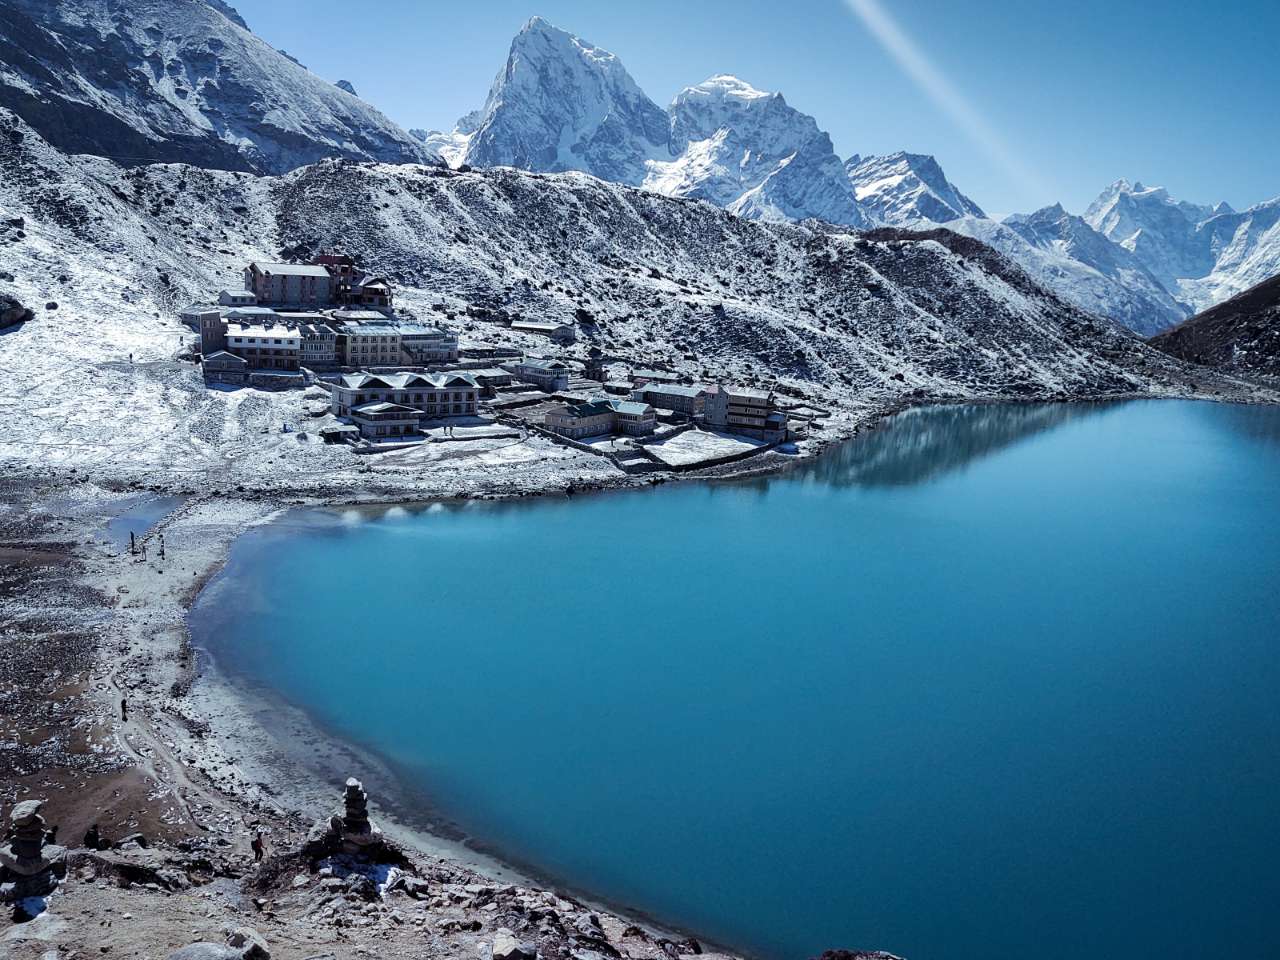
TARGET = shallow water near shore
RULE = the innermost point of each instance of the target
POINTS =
(991, 681)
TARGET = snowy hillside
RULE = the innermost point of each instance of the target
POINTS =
(856, 322)
(904, 188)
(178, 80)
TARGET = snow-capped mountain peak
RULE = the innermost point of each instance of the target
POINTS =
(902, 188)
(752, 152)
(561, 103)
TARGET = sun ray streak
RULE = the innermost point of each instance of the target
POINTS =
(948, 98)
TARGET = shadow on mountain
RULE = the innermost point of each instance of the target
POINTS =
(923, 444)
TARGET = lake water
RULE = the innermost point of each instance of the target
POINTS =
(997, 682)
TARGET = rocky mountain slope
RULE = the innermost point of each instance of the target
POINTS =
(905, 188)
(1242, 334)
(178, 80)
(859, 322)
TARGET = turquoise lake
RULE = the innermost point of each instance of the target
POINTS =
(996, 682)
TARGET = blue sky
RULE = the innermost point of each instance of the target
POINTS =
(1027, 103)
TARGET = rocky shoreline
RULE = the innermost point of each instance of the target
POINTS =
(89, 630)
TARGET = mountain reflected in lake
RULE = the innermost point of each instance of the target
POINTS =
(922, 444)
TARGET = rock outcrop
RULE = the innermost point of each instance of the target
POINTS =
(13, 312)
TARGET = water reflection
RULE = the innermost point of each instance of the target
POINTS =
(922, 444)
(1255, 421)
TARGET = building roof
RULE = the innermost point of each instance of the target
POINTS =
(385, 407)
(630, 408)
(406, 381)
(260, 331)
(223, 356)
(663, 375)
(347, 316)
(544, 364)
(749, 393)
(248, 313)
(672, 389)
(490, 372)
(228, 292)
(292, 269)
(599, 406)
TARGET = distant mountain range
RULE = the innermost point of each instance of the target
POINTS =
(1137, 256)
(185, 80)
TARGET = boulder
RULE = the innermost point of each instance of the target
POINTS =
(251, 944)
(507, 947)
(13, 312)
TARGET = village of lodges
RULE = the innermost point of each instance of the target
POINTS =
(393, 380)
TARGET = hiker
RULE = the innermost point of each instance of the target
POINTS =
(51, 835)
(124, 709)
(93, 838)
(257, 846)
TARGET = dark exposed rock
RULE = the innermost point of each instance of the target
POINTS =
(13, 312)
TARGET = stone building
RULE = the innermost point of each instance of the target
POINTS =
(291, 284)
(266, 347)
(549, 375)
(601, 416)
(672, 396)
(431, 395)
(753, 413)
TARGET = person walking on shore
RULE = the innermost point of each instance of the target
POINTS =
(258, 847)
(124, 709)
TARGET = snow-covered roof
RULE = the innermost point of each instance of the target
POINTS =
(244, 313)
(292, 269)
(672, 389)
(384, 407)
(258, 331)
(223, 356)
(404, 381)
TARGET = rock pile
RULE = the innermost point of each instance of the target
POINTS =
(28, 866)
(349, 831)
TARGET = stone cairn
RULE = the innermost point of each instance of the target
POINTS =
(358, 834)
(349, 830)
(28, 866)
